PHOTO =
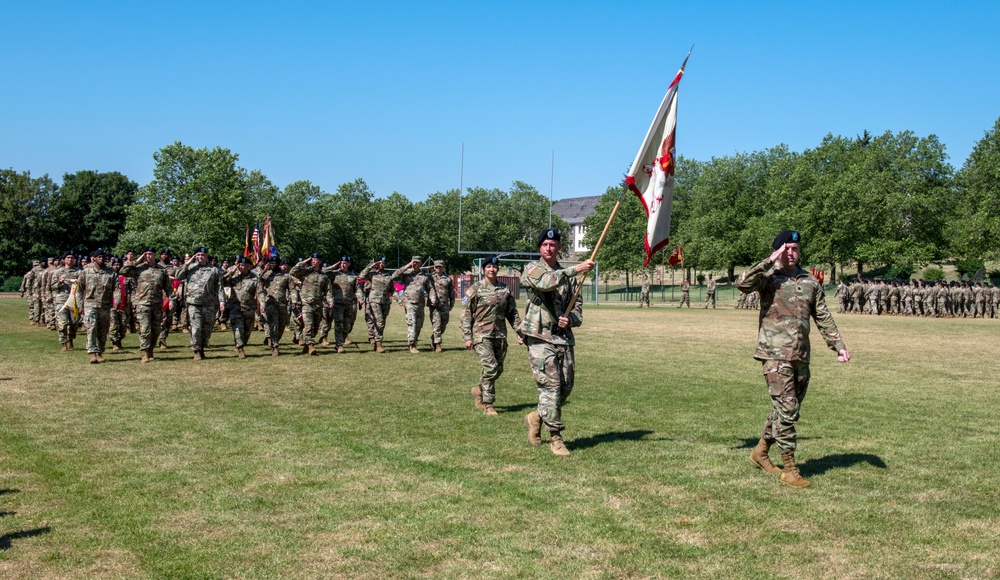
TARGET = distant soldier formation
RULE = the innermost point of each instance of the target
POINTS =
(919, 298)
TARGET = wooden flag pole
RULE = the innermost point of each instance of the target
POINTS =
(597, 248)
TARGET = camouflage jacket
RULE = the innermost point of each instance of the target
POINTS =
(711, 286)
(548, 293)
(416, 285)
(486, 308)
(95, 287)
(380, 287)
(152, 283)
(343, 284)
(685, 286)
(787, 302)
(315, 289)
(31, 281)
(62, 284)
(646, 284)
(45, 283)
(276, 287)
(204, 285)
(445, 290)
(246, 290)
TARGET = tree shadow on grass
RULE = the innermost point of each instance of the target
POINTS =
(7, 540)
(595, 440)
(839, 460)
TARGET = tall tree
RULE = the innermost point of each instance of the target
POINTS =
(90, 208)
(24, 220)
(977, 225)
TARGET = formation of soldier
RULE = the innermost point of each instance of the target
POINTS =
(919, 298)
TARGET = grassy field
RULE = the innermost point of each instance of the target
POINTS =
(360, 465)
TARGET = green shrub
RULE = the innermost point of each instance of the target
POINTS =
(968, 267)
(701, 279)
(10, 284)
(899, 272)
(933, 274)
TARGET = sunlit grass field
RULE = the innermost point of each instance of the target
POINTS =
(374, 466)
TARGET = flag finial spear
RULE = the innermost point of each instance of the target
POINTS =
(687, 57)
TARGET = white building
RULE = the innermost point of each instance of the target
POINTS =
(573, 211)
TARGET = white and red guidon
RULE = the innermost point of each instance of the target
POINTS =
(651, 176)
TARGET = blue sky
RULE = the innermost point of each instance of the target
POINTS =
(390, 91)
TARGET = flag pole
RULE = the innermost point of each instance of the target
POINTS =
(597, 248)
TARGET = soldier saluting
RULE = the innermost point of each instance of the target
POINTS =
(789, 297)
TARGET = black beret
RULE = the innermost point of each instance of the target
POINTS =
(273, 259)
(97, 252)
(65, 255)
(285, 263)
(200, 250)
(116, 260)
(242, 260)
(784, 237)
(548, 235)
(345, 258)
(165, 251)
(315, 255)
(492, 261)
(150, 250)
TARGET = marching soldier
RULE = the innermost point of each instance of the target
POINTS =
(380, 288)
(243, 302)
(445, 289)
(276, 287)
(710, 292)
(417, 288)
(204, 295)
(315, 293)
(488, 304)
(685, 293)
(67, 320)
(152, 289)
(95, 287)
(344, 284)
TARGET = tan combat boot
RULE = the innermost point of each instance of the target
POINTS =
(198, 355)
(477, 395)
(340, 349)
(100, 358)
(760, 458)
(65, 347)
(274, 351)
(558, 447)
(534, 424)
(312, 350)
(378, 347)
(93, 358)
(347, 341)
(790, 473)
(240, 353)
(489, 410)
(437, 348)
(149, 354)
(70, 344)
(116, 346)
(414, 349)
(325, 342)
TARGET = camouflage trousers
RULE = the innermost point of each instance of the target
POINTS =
(685, 299)
(710, 299)
(165, 322)
(118, 325)
(787, 382)
(150, 318)
(295, 316)
(184, 319)
(241, 321)
(414, 320)
(378, 312)
(312, 320)
(344, 315)
(492, 352)
(202, 319)
(66, 325)
(553, 368)
(49, 313)
(325, 323)
(34, 308)
(97, 321)
(643, 298)
(276, 321)
(439, 322)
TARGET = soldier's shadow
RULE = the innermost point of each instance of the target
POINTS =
(7, 540)
(839, 460)
(612, 437)
(515, 408)
(751, 442)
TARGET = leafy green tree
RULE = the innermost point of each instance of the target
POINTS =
(89, 210)
(24, 215)
(977, 225)
(624, 248)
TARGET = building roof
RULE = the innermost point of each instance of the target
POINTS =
(575, 209)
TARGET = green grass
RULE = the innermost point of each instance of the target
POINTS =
(360, 465)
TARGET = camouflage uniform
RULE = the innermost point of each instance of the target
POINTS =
(486, 308)
(856, 293)
(550, 348)
(276, 287)
(788, 301)
(171, 303)
(644, 293)
(440, 314)
(894, 298)
(118, 314)
(48, 306)
(295, 309)
(345, 302)
(995, 300)
(62, 287)
(380, 289)
(95, 287)
(417, 288)
(710, 292)
(685, 294)
(204, 295)
(843, 297)
(151, 288)
(907, 294)
(315, 293)
(29, 286)
(242, 303)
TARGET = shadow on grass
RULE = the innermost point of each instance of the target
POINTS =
(595, 440)
(5, 514)
(838, 460)
(751, 442)
(6, 540)
(9, 491)
(515, 408)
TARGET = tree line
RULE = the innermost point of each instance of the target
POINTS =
(888, 201)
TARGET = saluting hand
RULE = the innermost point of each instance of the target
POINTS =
(778, 257)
